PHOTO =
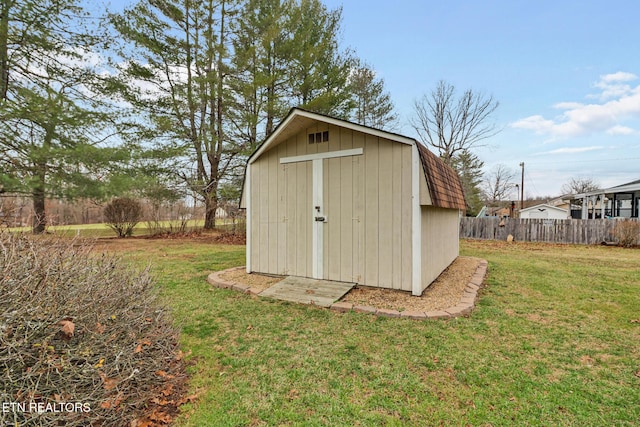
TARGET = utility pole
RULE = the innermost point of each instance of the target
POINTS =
(522, 187)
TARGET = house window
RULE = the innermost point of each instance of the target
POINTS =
(318, 137)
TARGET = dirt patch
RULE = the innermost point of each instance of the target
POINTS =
(256, 281)
(446, 291)
(226, 238)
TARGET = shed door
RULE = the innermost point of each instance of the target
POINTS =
(342, 208)
(331, 220)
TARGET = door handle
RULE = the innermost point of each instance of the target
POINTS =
(320, 219)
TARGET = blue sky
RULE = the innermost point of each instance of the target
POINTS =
(566, 74)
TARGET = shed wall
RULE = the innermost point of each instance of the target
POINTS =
(440, 241)
(367, 202)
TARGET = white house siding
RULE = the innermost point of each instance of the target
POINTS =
(367, 202)
(440, 241)
(544, 212)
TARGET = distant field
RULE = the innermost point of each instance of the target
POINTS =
(103, 230)
(554, 341)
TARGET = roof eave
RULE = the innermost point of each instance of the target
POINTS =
(298, 112)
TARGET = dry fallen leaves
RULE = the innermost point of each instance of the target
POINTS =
(140, 345)
(109, 383)
(67, 327)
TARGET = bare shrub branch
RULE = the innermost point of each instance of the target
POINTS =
(122, 215)
(80, 327)
(627, 233)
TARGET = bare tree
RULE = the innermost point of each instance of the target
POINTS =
(578, 185)
(452, 124)
(498, 183)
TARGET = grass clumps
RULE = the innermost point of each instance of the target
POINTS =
(83, 340)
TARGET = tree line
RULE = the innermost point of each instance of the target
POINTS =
(169, 97)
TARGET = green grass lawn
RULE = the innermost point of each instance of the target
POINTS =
(555, 340)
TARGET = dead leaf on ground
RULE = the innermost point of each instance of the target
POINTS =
(67, 327)
(161, 402)
(188, 399)
(109, 383)
(167, 390)
(635, 321)
(587, 360)
(139, 347)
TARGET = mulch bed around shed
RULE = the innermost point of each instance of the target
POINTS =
(445, 292)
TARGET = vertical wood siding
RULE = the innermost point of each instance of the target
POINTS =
(367, 202)
(440, 242)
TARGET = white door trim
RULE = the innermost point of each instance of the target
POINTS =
(317, 230)
(248, 214)
(320, 156)
(416, 223)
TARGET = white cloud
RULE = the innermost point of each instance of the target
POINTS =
(573, 150)
(620, 76)
(621, 130)
(614, 85)
(618, 103)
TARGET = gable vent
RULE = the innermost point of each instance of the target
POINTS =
(318, 137)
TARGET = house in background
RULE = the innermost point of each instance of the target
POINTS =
(562, 202)
(622, 201)
(495, 211)
(544, 211)
(334, 200)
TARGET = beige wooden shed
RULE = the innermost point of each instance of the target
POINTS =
(334, 200)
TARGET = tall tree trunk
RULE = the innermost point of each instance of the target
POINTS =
(210, 207)
(39, 222)
(211, 199)
(4, 52)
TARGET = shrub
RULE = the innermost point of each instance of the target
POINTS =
(82, 333)
(175, 226)
(122, 215)
(627, 233)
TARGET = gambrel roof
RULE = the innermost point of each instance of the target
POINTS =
(445, 187)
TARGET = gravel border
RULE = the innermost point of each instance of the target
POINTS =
(464, 307)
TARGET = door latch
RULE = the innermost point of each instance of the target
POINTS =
(320, 219)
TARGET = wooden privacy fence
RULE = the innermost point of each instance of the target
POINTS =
(576, 231)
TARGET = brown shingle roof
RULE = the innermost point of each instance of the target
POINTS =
(444, 183)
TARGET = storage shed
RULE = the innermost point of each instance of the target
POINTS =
(334, 200)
